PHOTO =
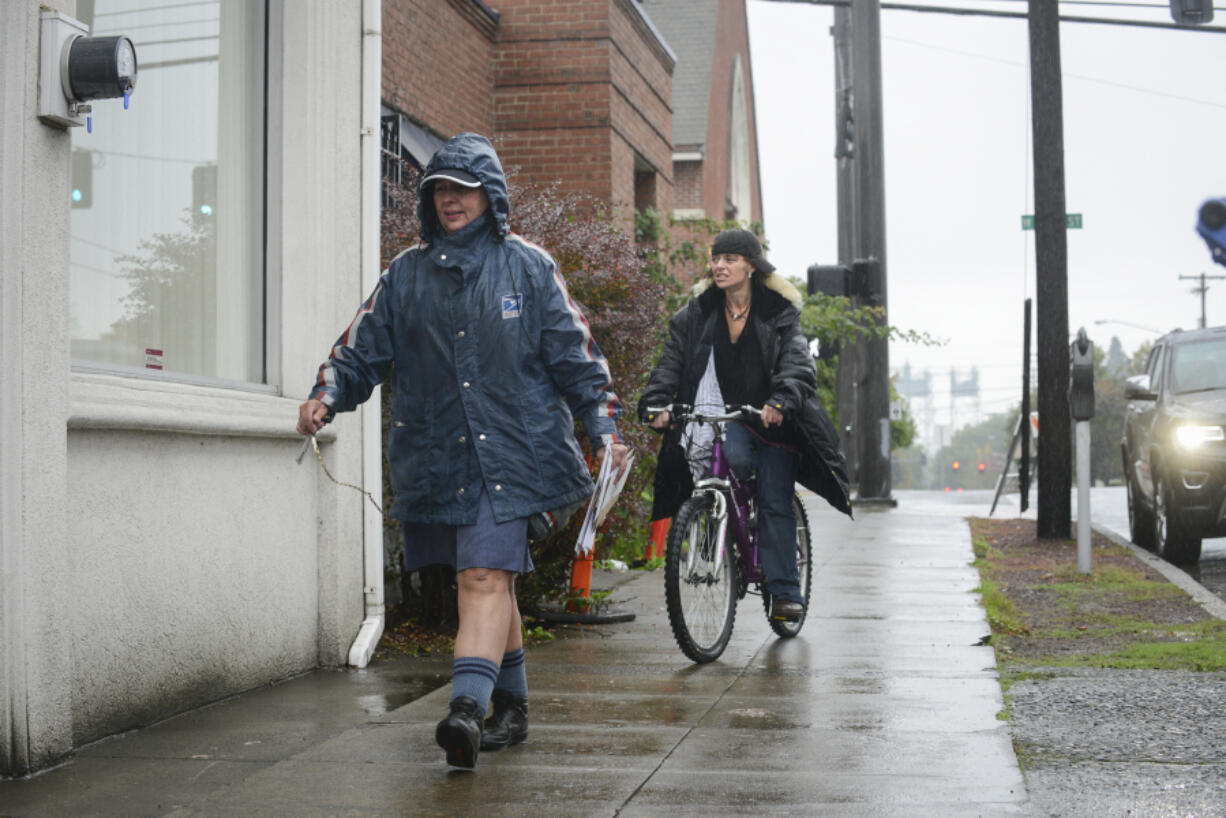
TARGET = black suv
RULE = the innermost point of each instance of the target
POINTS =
(1174, 444)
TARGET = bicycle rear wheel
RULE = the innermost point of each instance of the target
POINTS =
(804, 561)
(701, 600)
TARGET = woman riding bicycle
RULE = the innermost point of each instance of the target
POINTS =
(739, 343)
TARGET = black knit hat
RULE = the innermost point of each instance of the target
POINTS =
(743, 243)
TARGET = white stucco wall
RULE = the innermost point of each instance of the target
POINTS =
(159, 547)
(185, 546)
(35, 724)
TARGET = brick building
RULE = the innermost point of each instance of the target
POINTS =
(576, 91)
(714, 133)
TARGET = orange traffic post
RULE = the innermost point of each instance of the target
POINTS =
(659, 533)
(581, 582)
(581, 573)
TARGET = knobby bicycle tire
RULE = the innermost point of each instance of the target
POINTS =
(701, 602)
(804, 560)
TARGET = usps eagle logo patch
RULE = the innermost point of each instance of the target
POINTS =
(511, 305)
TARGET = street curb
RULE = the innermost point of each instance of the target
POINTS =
(1212, 604)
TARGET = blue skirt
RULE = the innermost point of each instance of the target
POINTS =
(485, 544)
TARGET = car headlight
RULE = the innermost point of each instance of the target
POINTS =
(1193, 437)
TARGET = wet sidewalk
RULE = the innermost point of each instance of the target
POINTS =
(884, 705)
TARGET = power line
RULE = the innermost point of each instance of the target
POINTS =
(110, 250)
(107, 273)
(1081, 77)
(1104, 3)
(1015, 15)
(153, 158)
(176, 63)
(166, 24)
(151, 9)
(179, 40)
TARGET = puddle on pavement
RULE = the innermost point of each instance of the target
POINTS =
(757, 718)
(412, 689)
(861, 727)
(859, 685)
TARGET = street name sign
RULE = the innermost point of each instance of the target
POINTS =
(1072, 221)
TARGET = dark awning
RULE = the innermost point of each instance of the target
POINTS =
(408, 141)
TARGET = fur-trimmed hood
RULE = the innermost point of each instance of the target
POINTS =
(772, 295)
(771, 281)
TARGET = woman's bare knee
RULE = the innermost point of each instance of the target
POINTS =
(485, 581)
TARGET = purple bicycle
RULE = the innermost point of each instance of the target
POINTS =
(711, 554)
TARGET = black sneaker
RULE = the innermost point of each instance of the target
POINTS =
(460, 733)
(509, 723)
(786, 610)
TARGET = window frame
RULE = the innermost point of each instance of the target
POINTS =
(268, 369)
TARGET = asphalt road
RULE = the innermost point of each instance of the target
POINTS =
(1108, 509)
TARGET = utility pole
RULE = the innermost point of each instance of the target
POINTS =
(1023, 472)
(1051, 256)
(873, 399)
(1202, 289)
(852, 351)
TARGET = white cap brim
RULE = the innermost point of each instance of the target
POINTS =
(460, 177)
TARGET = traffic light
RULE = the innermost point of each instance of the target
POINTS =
(955, 465)
(828, 279)
(1211, 225)
(841, 280)
(1192, 12)
(982, 466)
(82, 178)
(204, 190)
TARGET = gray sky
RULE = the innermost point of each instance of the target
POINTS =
(1145, 144)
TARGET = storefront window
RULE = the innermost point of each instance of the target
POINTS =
(167, 227)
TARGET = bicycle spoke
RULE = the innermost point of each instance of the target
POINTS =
(699, 588)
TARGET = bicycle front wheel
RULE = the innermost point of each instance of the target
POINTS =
(701, 599)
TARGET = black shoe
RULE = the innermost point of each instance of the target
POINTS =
(509, 723)
(460, 733)
(786, 610)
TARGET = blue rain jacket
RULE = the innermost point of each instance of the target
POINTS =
(490, 362)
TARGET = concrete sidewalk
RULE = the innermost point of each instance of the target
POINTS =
(884, 705)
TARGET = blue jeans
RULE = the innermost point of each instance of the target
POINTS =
(776, 469)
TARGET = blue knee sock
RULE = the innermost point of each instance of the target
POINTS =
(473, 676)
(512, 677)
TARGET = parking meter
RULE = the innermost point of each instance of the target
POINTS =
(1081, 385)
(1081, 406)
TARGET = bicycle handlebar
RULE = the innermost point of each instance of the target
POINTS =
(685, 413)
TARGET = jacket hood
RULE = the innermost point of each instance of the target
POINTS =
(771, 281)
(473, 154)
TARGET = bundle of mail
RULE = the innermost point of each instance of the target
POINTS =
(608, 487)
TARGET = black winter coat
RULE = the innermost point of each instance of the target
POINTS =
(793, 382)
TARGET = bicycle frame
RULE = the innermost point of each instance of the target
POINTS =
(723, 485)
